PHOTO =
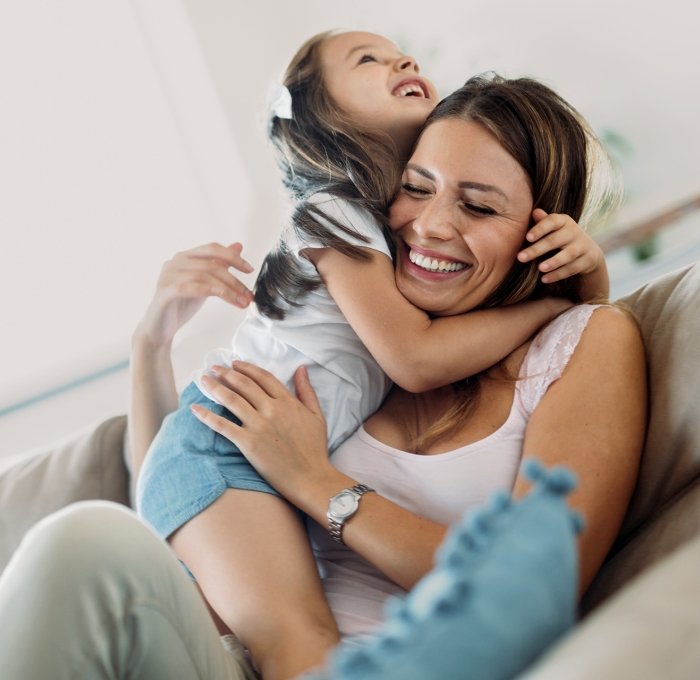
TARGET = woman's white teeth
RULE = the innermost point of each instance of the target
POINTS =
(431, 264)
(409, 90)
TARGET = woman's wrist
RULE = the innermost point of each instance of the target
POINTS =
(312, 496)
(145, 341)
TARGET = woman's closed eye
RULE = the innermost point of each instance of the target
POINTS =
(479, 209)
(409, 188)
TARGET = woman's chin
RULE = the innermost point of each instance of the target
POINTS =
(439, 294)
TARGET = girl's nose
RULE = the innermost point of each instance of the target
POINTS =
(406, 63)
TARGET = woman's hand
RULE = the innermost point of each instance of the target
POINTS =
(284, 437)
(186, 281)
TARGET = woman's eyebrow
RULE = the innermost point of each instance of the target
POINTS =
(477, 186)
(420, 170)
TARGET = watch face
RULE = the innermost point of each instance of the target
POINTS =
(343, 505)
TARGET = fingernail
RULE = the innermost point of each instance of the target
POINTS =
(523, 257)
(216, 369)
(242, 301)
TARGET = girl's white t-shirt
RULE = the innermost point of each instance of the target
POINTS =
(349, 382)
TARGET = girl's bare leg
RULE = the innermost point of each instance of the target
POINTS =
(252, 560)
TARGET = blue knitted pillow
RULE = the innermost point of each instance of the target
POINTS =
(502, 591)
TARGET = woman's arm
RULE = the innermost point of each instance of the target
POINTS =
(184, 284)
(593, 419)
(285, 439)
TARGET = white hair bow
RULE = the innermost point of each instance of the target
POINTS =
(281, 102)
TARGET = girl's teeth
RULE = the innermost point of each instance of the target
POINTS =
(408, 89)
(433, 265)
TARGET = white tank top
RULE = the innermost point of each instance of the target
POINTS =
(442, 486)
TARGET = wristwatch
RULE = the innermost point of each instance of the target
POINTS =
(342, 507)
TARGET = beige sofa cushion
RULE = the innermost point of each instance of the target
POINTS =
(37, 484)
(665, 507)
(648, 631)
(668, 310)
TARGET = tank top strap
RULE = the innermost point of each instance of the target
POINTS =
(550, 352)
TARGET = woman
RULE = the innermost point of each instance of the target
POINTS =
(488, 155)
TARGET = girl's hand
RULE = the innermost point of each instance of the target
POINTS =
(186, 281)
(577, 252)
(284, 437)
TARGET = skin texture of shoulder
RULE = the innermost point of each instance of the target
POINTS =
(593, 420)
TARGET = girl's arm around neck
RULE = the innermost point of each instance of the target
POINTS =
(416, 351)
(595, 286)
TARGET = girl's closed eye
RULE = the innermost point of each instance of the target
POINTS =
(367, 58)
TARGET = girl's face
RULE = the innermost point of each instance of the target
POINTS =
(369, 78)
(460, 217)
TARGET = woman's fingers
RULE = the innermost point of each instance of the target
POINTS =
(230, 397)
(305, 392)
(222, 284)
(238, 261)
(223, 426)
(269, 383)
(230, 255)
(244, 387)
(206, 264)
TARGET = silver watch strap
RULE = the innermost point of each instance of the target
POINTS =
(335, 528)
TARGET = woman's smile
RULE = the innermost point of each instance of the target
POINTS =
(460, 217)
(431, 262)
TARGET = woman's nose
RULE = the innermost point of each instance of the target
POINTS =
(434, 221)
(406, 63)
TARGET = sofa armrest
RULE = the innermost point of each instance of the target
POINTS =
(89, 466)
(648, 630)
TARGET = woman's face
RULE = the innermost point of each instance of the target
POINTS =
(460, 217)
(377, 85)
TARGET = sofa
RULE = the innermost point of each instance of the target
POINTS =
(639, 619)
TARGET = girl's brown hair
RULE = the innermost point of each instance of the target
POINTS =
(319, 149)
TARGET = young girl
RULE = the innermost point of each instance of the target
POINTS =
(326, 298)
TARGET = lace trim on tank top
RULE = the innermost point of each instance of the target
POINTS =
(550, 353)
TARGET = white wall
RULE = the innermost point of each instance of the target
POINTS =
(114, 152)
(131, 129)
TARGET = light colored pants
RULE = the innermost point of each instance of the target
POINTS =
(93, 594)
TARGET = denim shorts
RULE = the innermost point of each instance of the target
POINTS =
(189, 466)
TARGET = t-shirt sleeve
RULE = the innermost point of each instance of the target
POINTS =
(357, 220)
